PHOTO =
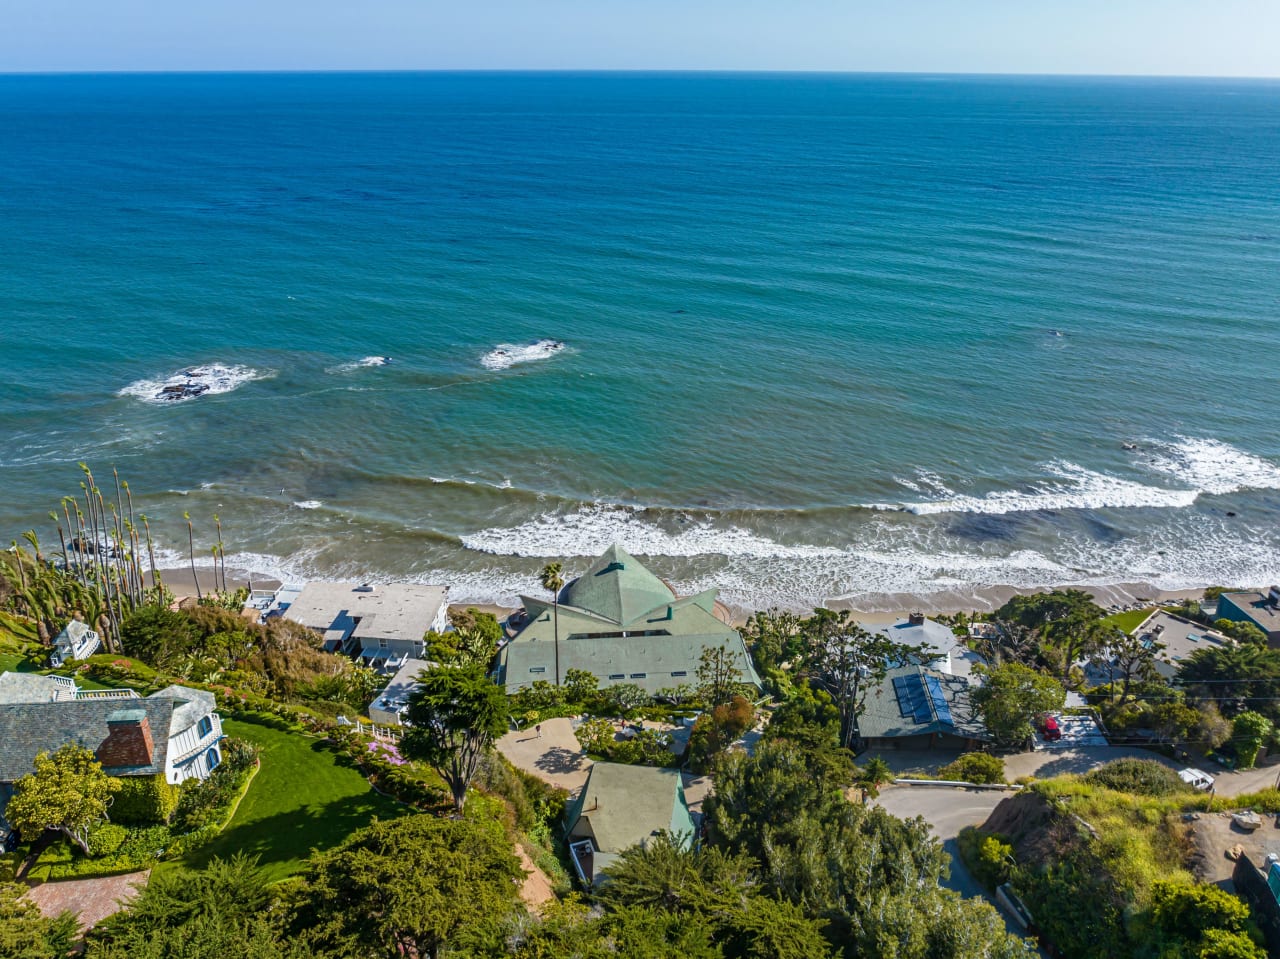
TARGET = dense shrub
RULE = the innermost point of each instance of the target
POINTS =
(200, 802)
(105, 838)
(144, 800)
(989, 856)
(980, 768)
(1144, 777)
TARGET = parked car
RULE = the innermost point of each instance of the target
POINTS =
(1050, 729)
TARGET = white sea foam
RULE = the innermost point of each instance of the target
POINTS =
(590, 530)
(506, 355)
(1069, 487)
(206, 380)
(308, 504)
(1211, 466)
(354, 365)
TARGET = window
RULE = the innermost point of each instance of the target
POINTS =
(681, 672)
(204, 727)
(617, 675)
(537, 669)
(383, 644)
(638, 675)
(213, 759)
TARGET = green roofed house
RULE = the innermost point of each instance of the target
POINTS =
(619, 807)
(623, 624)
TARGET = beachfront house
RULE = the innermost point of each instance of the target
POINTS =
(916, 707)
(1261, 609)
(938, 642)
(384, 625)
(621, 806)
(174, 733)
(621, 623)
(1180, 638)
(76, 641)
(393, 699)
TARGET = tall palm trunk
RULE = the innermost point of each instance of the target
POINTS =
(191, 544)
(151, 555)
(221, 552)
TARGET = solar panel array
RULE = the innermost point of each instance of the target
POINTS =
(940, 705)
(912, 699)
(921, 699)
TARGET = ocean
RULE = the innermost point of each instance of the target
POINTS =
(802, 337)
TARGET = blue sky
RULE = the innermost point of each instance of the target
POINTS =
(1177, 37)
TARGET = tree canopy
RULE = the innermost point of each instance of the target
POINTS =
(68, 792)
(1010, 698)
(454, 716)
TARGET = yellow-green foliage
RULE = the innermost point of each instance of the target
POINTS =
(1141, 839)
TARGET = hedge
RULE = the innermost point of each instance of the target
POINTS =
(144, 800)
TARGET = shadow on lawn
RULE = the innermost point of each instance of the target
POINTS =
(293, 834)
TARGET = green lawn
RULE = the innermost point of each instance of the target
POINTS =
(304, 797)
(1129, 621)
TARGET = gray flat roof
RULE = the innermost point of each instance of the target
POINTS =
(392, 611)
(1181, 638)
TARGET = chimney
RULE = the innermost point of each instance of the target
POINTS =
(128, 741)
(916, 619)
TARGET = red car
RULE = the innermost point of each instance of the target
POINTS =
(1050, 730)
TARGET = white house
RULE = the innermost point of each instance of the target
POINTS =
(938, 641)
(76, 641)
(383, 625)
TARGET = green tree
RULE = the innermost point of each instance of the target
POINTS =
(773, 636)
(668, 873)
(159, 636)
(552, 580)
(1252, 673)
(68, 792)
(934, 923)
(1250, 730)
(846, 661)
(411, 887)
(974, 768)
(624, 697)
(1183, 910)
(1038, 610)
(227, 909)
(718, 675)
(1131, 658)
(875, 772)
(810, 720)
(24, 931)
(1241, 632)
(1010, 698)
(478, 634)
(581, 686)
(454, 716)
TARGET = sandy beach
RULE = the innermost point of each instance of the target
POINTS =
(871, 608)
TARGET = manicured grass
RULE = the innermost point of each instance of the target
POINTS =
(304, 797)
(1130, 620)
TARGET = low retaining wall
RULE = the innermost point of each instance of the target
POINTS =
(956, 784)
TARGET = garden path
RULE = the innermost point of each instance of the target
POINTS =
(92, 900)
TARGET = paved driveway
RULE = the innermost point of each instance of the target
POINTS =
(948, 810)
(92, 900)
(554, 756)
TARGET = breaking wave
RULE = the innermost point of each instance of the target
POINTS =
(186, 384)
(360, 364)
(506, 355)
(1199, 466)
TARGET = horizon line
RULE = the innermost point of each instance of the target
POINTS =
(633, 71)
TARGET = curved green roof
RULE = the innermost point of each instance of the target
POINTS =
(618, 588)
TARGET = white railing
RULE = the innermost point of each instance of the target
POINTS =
(64, 681)
(106, 694)
(378, 732)
(203, 743)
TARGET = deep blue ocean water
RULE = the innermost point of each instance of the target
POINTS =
(825, 336)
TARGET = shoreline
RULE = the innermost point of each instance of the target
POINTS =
(871, 608)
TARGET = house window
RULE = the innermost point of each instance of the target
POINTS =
(383, 644)
(205, 726)
(617, 675)
(638, 675)
(213, 759)
(537, 669)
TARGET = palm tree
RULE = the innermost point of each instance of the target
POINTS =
(191, 542)
(222, 553)
(553, 580)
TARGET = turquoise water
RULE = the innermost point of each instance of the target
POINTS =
(825, 336)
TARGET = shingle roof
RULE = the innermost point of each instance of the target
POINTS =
(32, 688)
(189, 704)
(27, 729)
(915, 700)
(622, 805)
